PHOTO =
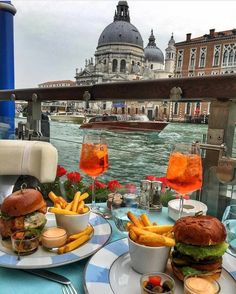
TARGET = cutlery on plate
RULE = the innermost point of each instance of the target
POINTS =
(67, 287)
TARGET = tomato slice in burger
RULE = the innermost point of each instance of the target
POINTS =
(155, 280)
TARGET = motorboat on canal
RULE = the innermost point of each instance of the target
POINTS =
(124, 123)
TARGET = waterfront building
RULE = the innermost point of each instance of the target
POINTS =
(60, 106)
(121, 56)
(211, 54)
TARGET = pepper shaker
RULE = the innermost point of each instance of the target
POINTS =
(155, 196)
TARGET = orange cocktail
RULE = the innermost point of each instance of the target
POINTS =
(94, 159)
(184, 174)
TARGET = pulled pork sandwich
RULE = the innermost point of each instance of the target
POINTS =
(23, 210)
(200, 244)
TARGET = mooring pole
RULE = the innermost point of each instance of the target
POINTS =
(7, 108)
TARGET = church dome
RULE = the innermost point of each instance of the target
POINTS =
(121, 30)
(152, 52)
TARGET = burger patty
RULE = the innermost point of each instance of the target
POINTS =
(208, 264)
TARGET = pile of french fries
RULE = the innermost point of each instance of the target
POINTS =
(143, 231)
(76, 240)
(76, 206)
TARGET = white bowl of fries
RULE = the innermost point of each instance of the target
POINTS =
(72, 216)
(149, 244)
(73, 223)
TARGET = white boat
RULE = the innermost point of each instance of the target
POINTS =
(68, 117)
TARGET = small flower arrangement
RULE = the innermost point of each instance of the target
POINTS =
(66, 184)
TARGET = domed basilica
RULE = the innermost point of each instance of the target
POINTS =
(120, 56)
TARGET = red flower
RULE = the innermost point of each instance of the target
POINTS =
(74, 177)
(113, 185)
(151, 178)
(131, 188)
(61, 171)
(154, 178)
(98, 185)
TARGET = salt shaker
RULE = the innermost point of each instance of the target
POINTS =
(155, 196)
(145, 193)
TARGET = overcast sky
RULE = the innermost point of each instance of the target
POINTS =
(54, 37)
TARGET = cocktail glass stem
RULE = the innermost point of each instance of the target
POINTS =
(181, 205)
(93, 194)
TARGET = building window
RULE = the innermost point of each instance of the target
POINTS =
(122, 66)
(231, 57)
(123, 110)
(132, 62)
(151, 66)
(114, 65)
(188, 108)
(180, 58)
(216, 59)
(202, 60)
(104, 106)
(143, 109)
(192, 58)
(128, 110)
(136, 110)
(216, 56)
(176, 108)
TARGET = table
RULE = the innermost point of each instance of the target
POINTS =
(16, 281)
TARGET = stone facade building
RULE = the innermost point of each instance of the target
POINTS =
(121, 56)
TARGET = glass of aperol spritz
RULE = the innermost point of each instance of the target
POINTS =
(94, 160)
(184, 172)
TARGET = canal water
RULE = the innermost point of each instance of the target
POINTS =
(132, 156)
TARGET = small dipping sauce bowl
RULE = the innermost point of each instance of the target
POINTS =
(200, 284)
(53, 237)
(24, 242)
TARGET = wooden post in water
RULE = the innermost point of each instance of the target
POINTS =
(221, 128)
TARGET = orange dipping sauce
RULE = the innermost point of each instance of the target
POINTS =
(53, 237)
(199, 285)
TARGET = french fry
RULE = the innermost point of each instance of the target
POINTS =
(80, 207)
(57, 205)
(87, 231)
(141, 222)
(157, 240)
(141, 231)
(134, 220)
(128, 226)
(62, 202)
(145, 220)
(60, 211)
(68, 206)
(83, 196)
(85, 209)
(75, 201)
(133, 236)
(76, 243)
(61, 250)
(52, 196)
(159, 229)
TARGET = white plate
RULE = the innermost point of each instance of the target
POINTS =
(45, 259)
(109, 271)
